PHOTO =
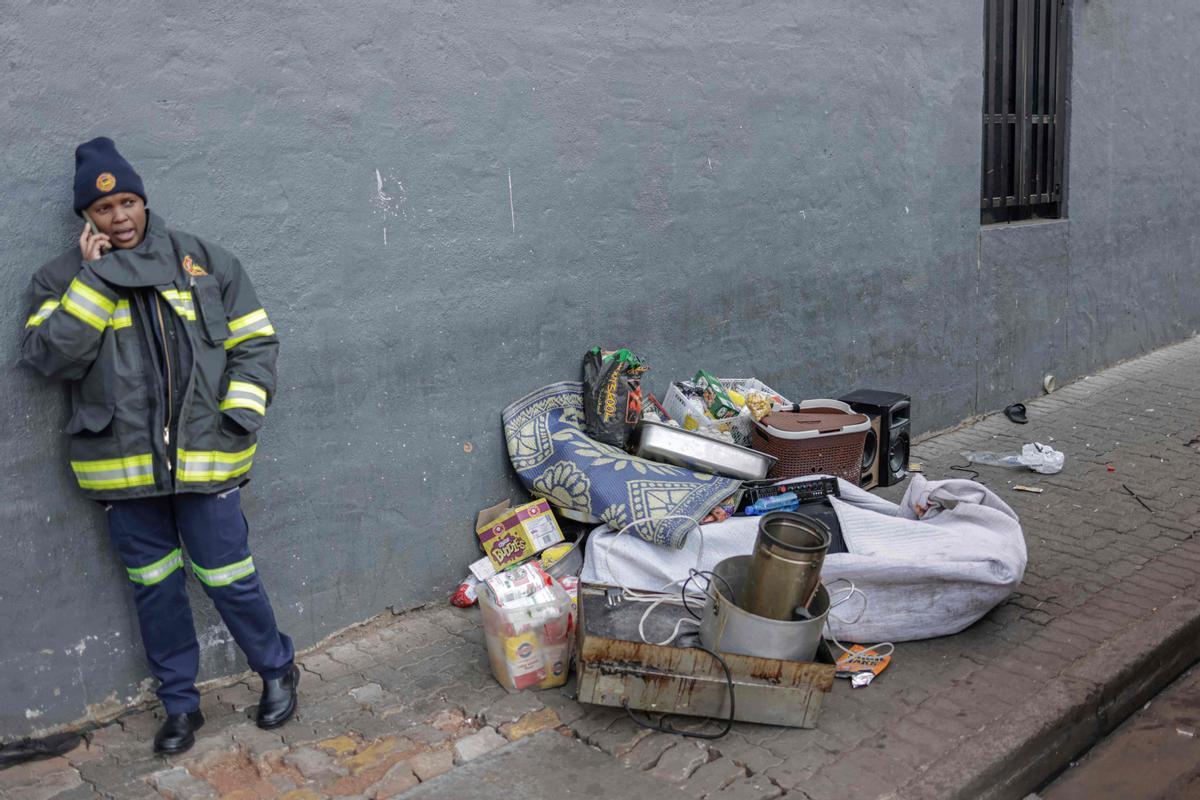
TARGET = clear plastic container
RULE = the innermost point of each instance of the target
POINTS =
(529, 638)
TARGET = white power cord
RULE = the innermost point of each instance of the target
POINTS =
(669, 593)
(882, 650)
(653, 600)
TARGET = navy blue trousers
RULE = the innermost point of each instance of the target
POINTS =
(147, 534)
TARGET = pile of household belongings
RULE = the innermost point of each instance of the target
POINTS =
(930, 566)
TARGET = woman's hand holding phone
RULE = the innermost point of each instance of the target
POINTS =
(92, 243)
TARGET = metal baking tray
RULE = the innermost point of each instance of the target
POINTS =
(659, 442)
(614, 667)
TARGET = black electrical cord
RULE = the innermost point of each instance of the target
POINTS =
(967, 468)
(667, 727)
(692, 575)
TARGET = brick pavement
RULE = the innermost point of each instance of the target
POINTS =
(1108, 613)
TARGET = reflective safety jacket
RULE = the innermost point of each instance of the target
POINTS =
(91, 324)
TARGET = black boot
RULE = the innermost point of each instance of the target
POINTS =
(177, 734)
(278, 701)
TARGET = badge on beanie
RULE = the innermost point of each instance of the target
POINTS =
(192, 267)
(106, 182)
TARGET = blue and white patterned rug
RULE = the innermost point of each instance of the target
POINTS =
(556, 460)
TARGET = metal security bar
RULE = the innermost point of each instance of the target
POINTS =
(1024, 94)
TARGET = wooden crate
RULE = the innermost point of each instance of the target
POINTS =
(615, 667)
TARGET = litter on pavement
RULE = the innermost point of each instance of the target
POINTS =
(675, 553)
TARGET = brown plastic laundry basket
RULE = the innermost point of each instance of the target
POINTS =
(821, 437)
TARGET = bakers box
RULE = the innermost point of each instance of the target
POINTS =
(511, 535)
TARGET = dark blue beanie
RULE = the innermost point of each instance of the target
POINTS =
(100, 170)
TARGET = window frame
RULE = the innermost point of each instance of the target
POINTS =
(1026, 48)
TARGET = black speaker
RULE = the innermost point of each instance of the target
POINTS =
(890, 412)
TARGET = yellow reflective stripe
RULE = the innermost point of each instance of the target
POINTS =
(248, 326)
(246, 386)
(41, 315)
(223, 576)
(158, 571)
(236, 325)
(82, 312)
(242, 394)
(121, 318)
(207, 466)
(115, 483)
(235, 341)
(242, 402)
(115, 473)
(78, 286)
(85, 303)
(113, 463)
(181, 301)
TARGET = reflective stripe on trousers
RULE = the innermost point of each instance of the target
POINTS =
(223, 576)
(147, 533)
(156, 572)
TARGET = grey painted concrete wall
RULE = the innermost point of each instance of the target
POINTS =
(787, 189)
(1121, 275)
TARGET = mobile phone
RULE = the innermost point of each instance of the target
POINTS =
(104, 247)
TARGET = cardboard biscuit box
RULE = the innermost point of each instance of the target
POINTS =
(716, 397)
(511, 535)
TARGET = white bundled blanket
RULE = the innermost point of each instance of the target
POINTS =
(931, 566)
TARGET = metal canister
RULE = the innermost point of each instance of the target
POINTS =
(786, 568)
(726, 628)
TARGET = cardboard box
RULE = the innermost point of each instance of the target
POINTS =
(716, 397)
(511, 535)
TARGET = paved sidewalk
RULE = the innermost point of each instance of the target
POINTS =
(1109, 613)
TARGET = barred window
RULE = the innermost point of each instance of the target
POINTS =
(1024, 96)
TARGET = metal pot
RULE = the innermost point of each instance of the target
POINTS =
(728, 628)
(786, 569)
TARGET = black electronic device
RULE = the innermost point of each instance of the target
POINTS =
(823, 511)
(887, 462)
(806, 489)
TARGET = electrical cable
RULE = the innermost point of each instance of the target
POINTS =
(625, 590)
(862, 657)
(708, 573)
(666, 727)
(654, 600)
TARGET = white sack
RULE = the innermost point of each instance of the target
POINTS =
(930, 566)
